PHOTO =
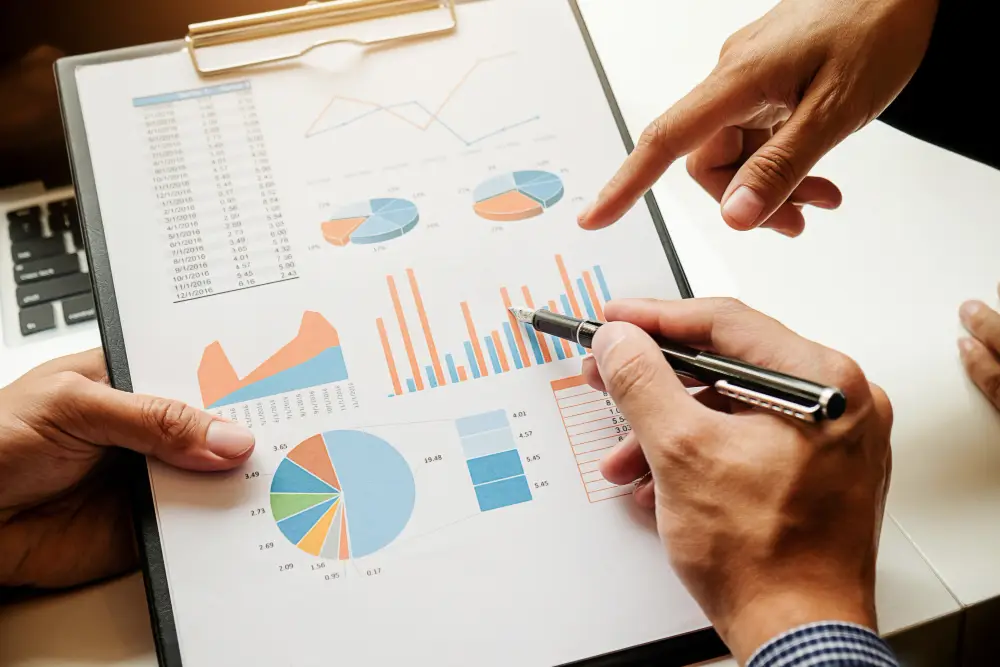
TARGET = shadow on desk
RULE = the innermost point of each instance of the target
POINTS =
(105, 625)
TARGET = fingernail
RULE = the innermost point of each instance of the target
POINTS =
(229, 440)
(743, 208)
(608, 336)
(966, 345)
(585, 213)
(969, 310)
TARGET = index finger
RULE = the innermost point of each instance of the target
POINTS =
(729, 328)
(685, 126)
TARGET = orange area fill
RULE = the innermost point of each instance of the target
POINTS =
(312, 543)
(508, 207)
(516, 328)
(462, 375)
(574, 304)
(338, 232)
(389, 359)
(593, 295)
(312, 456)
(568, 383)
(218, 379)
(345, 551)
(559, 341)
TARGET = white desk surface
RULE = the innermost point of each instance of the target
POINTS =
(881, 280)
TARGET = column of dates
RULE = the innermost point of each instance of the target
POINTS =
(220, 213)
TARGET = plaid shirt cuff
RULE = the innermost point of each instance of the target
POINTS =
(825, 645)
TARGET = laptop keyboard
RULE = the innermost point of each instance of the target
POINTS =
(49, 267)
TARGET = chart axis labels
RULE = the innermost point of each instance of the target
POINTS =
(519, 195)
(370, 222)
(342, 495)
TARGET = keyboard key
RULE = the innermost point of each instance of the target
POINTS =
(24, 229)
(22, 214)
(43, 269)
(78, 309)
(37, 318)
(61, 205)
(64, 219)
(50, 290)
(25, 251)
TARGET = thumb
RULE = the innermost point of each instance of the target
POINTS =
(168, 430)
(770, 176)
(642, 383)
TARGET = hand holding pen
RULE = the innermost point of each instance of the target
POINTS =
(757, 513)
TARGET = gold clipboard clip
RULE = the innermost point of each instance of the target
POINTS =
(309, 17)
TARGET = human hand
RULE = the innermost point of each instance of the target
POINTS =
(771, 523)
(981, 352)
(65, 514)
(787, 89)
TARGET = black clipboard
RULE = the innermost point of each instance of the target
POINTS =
(678, 651)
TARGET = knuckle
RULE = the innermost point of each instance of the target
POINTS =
(845, 372)
(774, 165)
(175, 421)
(631, 376)
(64, 383)
(882, 403)
(656, 136)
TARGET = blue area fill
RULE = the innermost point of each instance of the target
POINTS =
(326, 367)
(473, 364)
(431, 377)
(495, 467)
(296, 526)
(452, 370)
(591, 313)
(503, 494)
(377, 489)
(600, 281)
(530, 333)
(488, 421)
(291, 478)
(494, 359)
(411, 385)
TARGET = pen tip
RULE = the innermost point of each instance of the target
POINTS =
(522, 314)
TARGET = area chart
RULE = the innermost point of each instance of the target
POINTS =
(312, 358)
(517, 196)
(372, 221)
(342, 495)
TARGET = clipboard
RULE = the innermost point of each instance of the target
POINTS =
(681, 650)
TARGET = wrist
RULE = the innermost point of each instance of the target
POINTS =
(771, 614)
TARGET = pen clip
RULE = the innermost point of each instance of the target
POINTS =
(759, 400)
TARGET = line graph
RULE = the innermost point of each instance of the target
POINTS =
(417, 114)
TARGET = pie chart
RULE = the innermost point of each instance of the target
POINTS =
(372, 221)
(342, 495)
(517, 196)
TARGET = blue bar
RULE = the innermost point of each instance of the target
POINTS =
(559, 350)
(495, 467)
(503, 494)
(431, 377)
(530, 333)
(452, 371)
(600, 281)
(488, 421)
(411, 385)
(473, 364)
(494, 359)
(569, 312)
(586, 299)
(514, 351)
(193, 94)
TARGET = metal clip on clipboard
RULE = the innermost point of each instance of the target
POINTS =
(309, 17)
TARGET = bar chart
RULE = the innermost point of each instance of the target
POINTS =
(493, 459)
(503, 346)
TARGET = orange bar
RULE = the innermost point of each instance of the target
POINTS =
(396, 386)
(500, 351)
(431, 347)
(559, 341)
(462, 375)
(516, 326)
(407, 343)
(541, 339)
(574, 304)
(593, 295)
(476, 347)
